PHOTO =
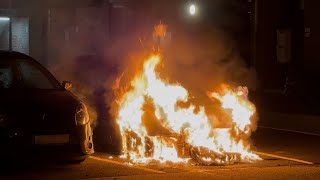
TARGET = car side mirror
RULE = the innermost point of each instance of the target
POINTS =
(67, 85)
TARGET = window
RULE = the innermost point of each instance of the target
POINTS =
(6, 76)
(33, 77)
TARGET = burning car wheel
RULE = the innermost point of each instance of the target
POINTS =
(207, 157)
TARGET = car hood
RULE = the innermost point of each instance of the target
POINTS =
(38, 109)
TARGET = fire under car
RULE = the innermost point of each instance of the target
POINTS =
(38, 115)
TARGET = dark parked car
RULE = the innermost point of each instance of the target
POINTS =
(37, 114)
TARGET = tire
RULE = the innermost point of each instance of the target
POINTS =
(77, 160)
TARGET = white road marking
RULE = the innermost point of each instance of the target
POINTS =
(283, 157)
(122, 164)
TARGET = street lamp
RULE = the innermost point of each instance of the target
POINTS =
(192, 9)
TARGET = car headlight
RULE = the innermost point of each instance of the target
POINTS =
(82, 115)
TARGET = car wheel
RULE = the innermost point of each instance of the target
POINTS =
(76, 161)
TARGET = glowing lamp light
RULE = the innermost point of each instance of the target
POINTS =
(4, 19)
(192, 9)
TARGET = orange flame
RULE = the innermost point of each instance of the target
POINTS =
(152, 125)
(160, 30)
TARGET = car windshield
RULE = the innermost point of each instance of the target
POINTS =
(27, 74)
(35, 77)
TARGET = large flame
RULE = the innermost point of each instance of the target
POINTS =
(155, 128)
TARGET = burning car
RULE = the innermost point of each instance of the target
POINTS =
(38, 114)
(159, 123)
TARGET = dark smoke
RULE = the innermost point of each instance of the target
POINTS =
(198, 61)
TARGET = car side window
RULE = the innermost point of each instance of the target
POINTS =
(33, 77)
(6, 76)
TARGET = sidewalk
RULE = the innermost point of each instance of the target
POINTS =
(296, 114)
(288, 121)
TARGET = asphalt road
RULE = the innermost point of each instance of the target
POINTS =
(286, 155)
